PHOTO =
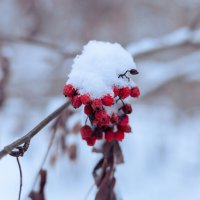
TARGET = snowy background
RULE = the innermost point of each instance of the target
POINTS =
(39, 40)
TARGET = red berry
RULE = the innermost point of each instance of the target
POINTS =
(85, 98)
(135, 92)
(76, 102)
(100, 115)
(124, 92)
(127, 108)
(123, 121)
(69, 90)
(86, 132)
(96, 121)
(114, 118)
(91, 141)
(108, 100)
(126, 129)
(116, 91)
(119, 135)
(97, 104)
(105, 121)
(109, 135)
(88, 110)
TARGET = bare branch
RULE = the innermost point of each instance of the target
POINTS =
(179, 37)
(42, 43)
(8, 149)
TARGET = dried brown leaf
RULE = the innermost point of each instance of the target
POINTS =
(72, 151)
(40, 194)
(119, 158)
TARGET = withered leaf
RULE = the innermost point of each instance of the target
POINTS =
(72, 151)
(119, 158)
(40, 194)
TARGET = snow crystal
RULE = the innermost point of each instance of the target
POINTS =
(96, 70)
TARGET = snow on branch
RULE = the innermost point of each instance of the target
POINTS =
(162, 73)
(179, 37)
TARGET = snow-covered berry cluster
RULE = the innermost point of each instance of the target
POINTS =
(103, 90)
(102, 124)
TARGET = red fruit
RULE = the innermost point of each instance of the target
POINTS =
(69, 90)
(105, 121)
(85, 98)
(119, 135)
(124, 92)
(114, 118)
(86, 132)
(108, 100)
(126, 129)
(88, 110)
(135, 92)
(91, 141)
(123, 121)
(116, 91)
(97, 104)
(76, 102)
(127, 108)
(109, 135)
(100, 115)
(96, 121)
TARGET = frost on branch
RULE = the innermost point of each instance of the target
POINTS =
(100, 80)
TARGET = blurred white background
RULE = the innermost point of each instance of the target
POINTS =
(39, 39)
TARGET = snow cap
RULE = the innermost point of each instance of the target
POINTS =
(96, 70)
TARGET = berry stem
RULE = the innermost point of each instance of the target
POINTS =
(124, 75)
(86, 120)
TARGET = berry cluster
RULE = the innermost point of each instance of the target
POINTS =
(102, 120)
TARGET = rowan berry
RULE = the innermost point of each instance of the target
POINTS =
(108, 100)
(109, 136)
(97, 104)
(119, 135)
(76, 102)
(85, 98)
(127, 108)
(124, 92)
(88, 110)
(86, 132)
(135, 92)
(69, 90)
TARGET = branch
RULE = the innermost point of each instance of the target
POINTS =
(41, 43)
(26, 138)
(182, 36)
(179, 37)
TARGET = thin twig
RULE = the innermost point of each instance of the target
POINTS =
(8, 149)
(89, 191)
(21, 178)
